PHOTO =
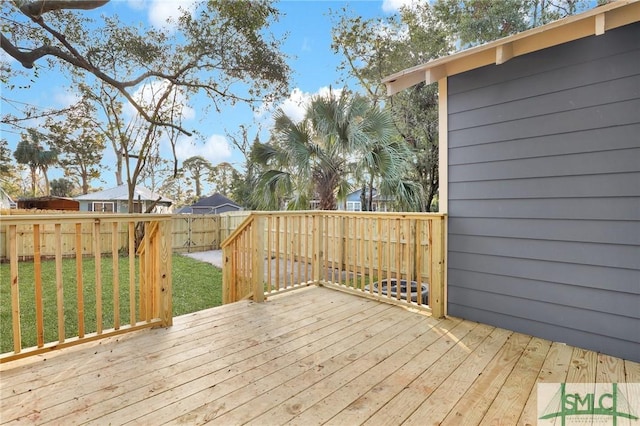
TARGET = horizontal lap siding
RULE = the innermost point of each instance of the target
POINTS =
(544, 193)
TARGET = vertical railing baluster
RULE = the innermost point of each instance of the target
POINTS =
(277, 237)
(116, 275)
(380, 254)
(323, 246)
(398, 258)
(363, 253)
(79, 280)
(317, 248)
(285, 240)
(132, 274)
(292, 237)
(348, 251)
(98, 273)
(269, 220)
(148, 282)
(59, 284)
(37, 270)
(308, 248)
(370, 227)
(407, 252)
(335, 257)
(300, 257)
(418, 256)
(389, 258)
(15, 288)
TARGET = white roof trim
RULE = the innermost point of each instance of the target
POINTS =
(593, 22)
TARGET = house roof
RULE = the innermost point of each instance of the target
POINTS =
(45, 198)
(215, 200)
(593, 22)
(121, 193)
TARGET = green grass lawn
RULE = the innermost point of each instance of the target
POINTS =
(196, 286)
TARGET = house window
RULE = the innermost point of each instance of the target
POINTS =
(137, 207)
(354, 206)
(314, 205)
(103, 207)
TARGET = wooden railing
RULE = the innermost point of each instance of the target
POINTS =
(69, 301)
(380, 255)
(189, 233)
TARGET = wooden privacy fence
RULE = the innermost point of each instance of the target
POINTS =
(189, 233)
(69, 301)
(200, 232)
(395, 257)
(195, 232)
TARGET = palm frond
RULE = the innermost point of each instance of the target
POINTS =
(272, 186)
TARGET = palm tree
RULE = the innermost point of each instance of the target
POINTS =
(30, 152)
(340, 139)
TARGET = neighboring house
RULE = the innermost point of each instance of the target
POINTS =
(540, 179)
(353, 202)
(49, 203)
(382, 203)
(215, 204)
(6, 202)
(115, 200)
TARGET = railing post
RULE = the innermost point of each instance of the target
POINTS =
(164, 281)
(317, 247)
(437, 257)
(227, 273)
(257, 258)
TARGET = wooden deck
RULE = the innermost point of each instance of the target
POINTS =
(311, 356)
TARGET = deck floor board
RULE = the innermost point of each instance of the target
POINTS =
(311, 356)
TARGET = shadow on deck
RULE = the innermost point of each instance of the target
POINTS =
(310, 356)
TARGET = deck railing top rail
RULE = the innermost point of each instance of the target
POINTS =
(75, 217)
(344, 213)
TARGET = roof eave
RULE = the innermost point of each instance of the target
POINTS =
(593, 22)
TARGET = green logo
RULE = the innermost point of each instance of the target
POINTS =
(588, 403)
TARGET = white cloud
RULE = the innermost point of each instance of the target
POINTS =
(390, 6)
(164, 13)
(294, 106)
(216, 149)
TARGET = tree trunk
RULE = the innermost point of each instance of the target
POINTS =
(47, 191)
(131, 190)
(119, 169)
(85, 183)
(327, 198)
(34, 179)
(198, 186)
(370, 201)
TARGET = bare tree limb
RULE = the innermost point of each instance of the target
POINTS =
(73, 57)
(37, 8)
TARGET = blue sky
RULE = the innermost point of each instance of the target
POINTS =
(313, 63)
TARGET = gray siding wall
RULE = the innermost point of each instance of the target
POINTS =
(544, 193)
